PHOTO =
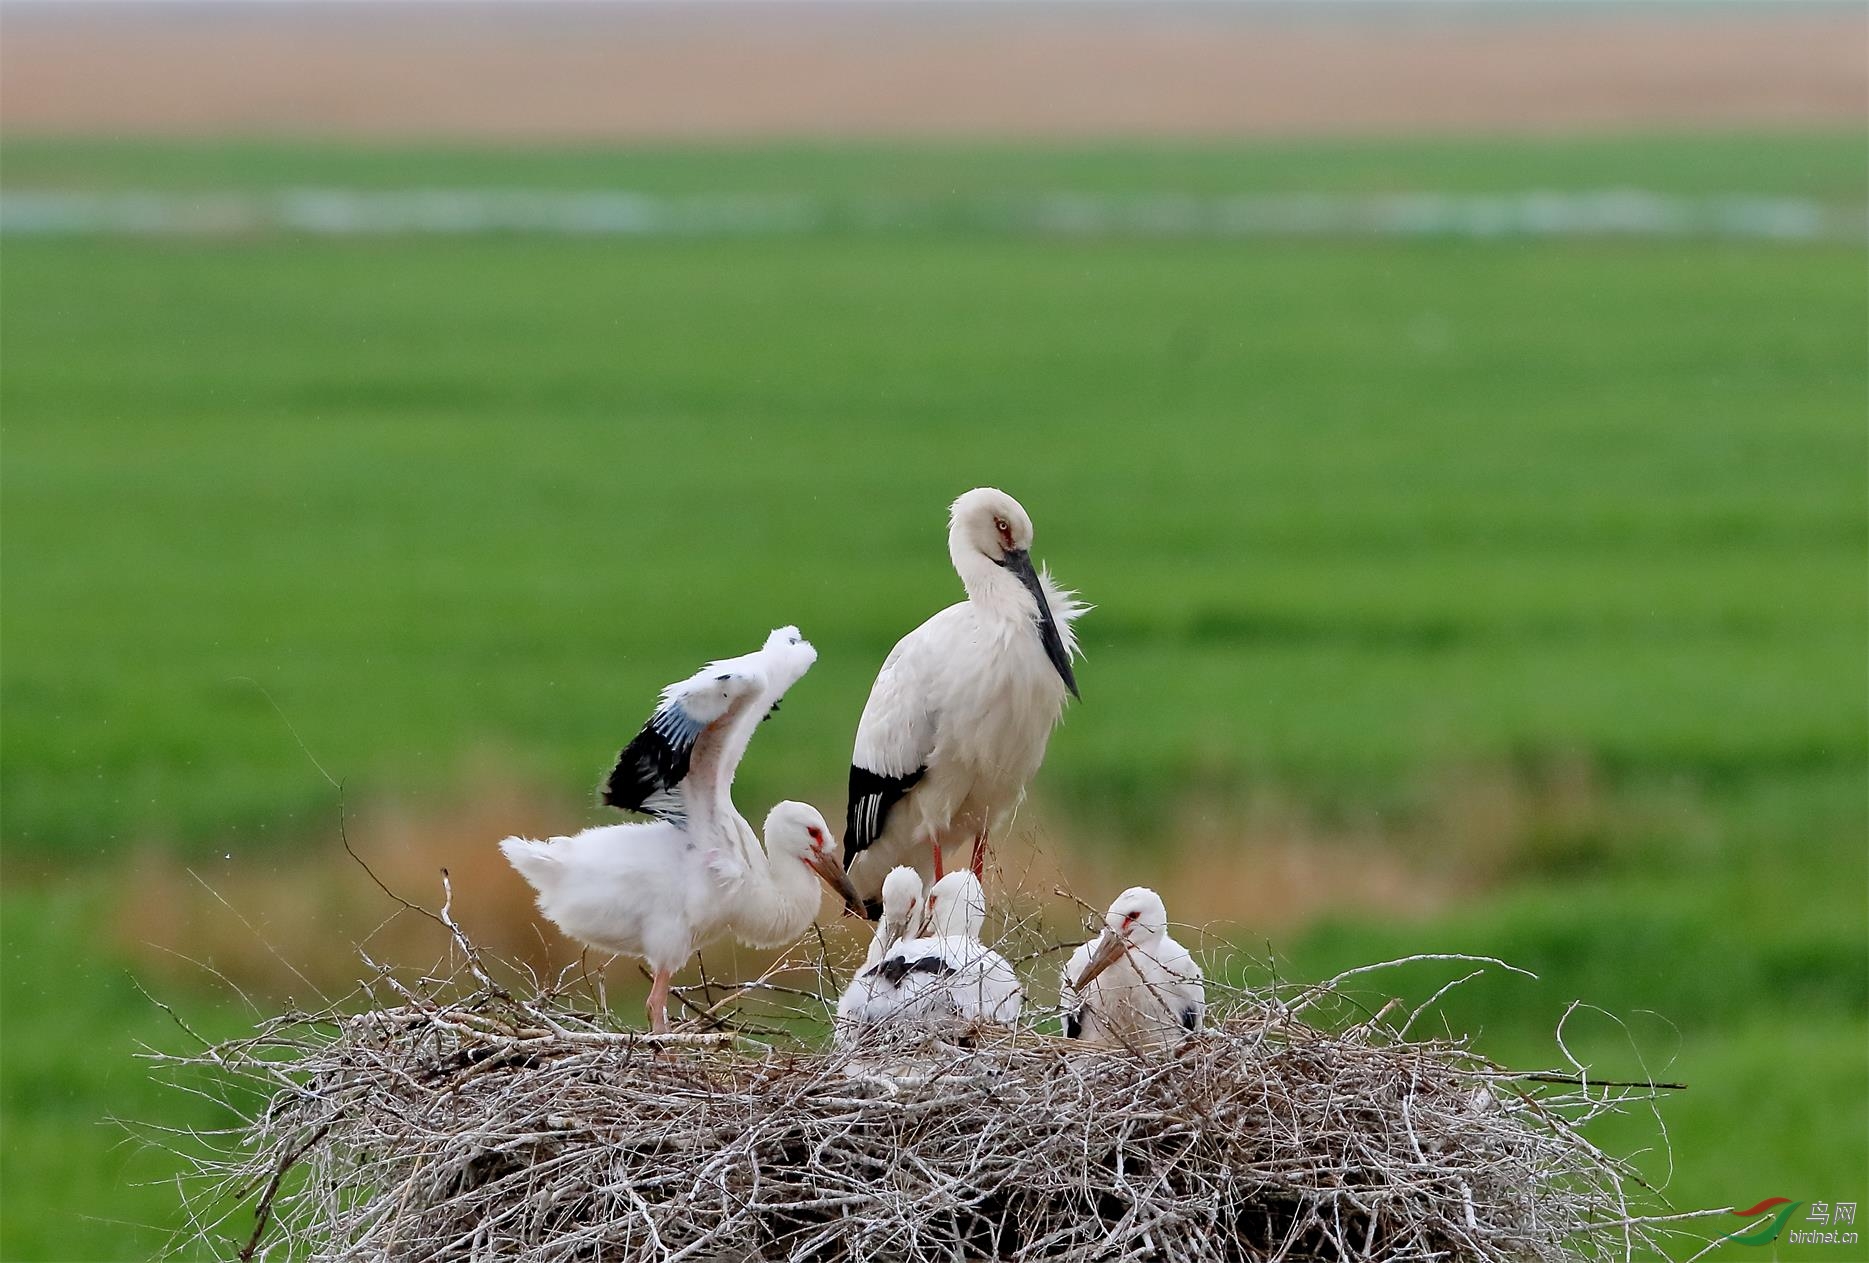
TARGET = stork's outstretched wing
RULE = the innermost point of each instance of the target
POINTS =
(701, 729)
(652, 769)
(782, 661)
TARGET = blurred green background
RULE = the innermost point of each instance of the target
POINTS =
(1526, 574)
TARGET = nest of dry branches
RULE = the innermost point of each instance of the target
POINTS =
(461, 1118)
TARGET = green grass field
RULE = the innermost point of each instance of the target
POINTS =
(1357, 516)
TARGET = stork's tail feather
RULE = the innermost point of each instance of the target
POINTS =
(534, 860)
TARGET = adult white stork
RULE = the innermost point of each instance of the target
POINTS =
(948, 974)
(904, 915)
(1133, 986)
(659, 890)
(958, 719)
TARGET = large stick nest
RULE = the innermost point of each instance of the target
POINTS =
(456, 1118)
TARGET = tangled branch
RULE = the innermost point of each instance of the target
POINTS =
(454, 1118)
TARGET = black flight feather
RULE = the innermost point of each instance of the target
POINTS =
(896, 968)
(872, 796)
(651, 767)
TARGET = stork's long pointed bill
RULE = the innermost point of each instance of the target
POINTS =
(1107, 952)
(1019, 561)
(832, 871)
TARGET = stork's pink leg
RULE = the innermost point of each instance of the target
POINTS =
(658, 1002)
(934, 844)
(979, 855)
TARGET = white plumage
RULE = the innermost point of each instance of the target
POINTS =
(659, 890)
(1133, 986)
(959, 717)
(945, 976)
(905, 913)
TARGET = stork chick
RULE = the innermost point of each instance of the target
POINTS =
(946, 975)
(1133, 986)
(905, 914)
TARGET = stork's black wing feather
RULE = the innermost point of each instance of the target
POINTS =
(872, 796)
(1191, 1018)
(1073, 1023)
(896, 968)
(650, 769)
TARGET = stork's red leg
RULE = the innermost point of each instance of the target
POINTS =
(934, 844)
(979, 855)
(658, 1002)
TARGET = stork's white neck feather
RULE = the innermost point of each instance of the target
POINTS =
(993, 590)
(778, 900)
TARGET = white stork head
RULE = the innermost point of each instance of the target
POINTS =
(902, 907)
(957, 906)
(990, 523)
(989, 536)
(797, 831)
(1138, 919)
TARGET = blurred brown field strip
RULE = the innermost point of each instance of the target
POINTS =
(645, 71)
(278, 918)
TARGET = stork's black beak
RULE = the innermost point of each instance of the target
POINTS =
(1019, 561)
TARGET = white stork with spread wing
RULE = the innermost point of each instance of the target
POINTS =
(658, 890)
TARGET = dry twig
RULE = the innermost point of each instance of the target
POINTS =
(462, 1119)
